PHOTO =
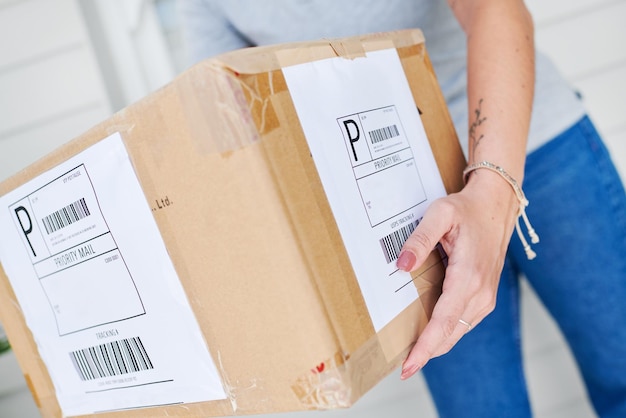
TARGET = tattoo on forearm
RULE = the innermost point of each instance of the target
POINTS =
(478, 120)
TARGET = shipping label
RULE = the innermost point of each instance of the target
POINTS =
(98, 290)
(376, 165)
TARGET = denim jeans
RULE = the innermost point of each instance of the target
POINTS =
(578, 208)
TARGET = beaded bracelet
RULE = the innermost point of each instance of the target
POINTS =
(523, 202)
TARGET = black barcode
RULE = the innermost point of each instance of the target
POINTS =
(111, 359)
(392, 243)
(378, 135)
(66, 216)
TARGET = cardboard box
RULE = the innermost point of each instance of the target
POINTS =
(217, 247)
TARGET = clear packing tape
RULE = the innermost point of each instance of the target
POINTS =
(338, 381)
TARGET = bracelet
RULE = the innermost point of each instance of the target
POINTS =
(523, 202)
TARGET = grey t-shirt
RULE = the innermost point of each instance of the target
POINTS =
(215, 26)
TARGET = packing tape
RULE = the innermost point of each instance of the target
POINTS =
(226, 110)
(216, 110)
(236, 392)
(324, 386)
(260, 90)
(336, 382)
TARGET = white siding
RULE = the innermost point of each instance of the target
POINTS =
(50, 85)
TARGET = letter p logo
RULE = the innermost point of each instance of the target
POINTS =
(26, 223)
(353, 133)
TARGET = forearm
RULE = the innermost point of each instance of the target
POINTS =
(500, 45)
(474, 226)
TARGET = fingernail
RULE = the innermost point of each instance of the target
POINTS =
(406, 260)
(409, 371)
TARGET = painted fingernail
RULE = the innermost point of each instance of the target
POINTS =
(406, 260)
(409, 371)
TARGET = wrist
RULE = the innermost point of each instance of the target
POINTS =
(490, 184)
(491, 187)
(493, 184)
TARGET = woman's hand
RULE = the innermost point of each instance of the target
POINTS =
(474, 227)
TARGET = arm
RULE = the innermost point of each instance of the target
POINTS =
(475, 225)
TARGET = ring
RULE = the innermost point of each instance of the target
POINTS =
(467, 324)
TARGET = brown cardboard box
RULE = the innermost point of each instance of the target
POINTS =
(225, 170)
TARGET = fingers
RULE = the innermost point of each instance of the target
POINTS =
(443, 325)
(458, 310)
(450, 331)
(464, 303)
(458, 222)
(440, 334)
(467, 324)
(434, 225)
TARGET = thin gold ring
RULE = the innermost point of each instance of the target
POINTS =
(467, 324)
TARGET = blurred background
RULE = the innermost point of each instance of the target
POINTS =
(66, 65)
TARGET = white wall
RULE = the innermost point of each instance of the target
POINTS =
(60, 75)
(66, 65)
(50, 87)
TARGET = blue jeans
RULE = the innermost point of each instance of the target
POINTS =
(578, 207)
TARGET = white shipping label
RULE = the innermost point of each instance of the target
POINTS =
(98, 290)
(376, 165)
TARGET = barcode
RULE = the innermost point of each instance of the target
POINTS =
(66, 216)
(111, 359)
(392, 243)
(378, 135)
